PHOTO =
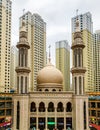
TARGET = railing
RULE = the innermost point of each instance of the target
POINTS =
(51, 114)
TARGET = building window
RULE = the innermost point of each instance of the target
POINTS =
(93, 113)
(33, 107)
(50, 107)
(41, 107)
(60, 107)
(25, 84)
(25, 57)
(79, 56)
(18, 115)
(80, 85)
(68, 107)
(75, 57)
(53, 89)
(84, 110)
(18, 84)
(93, 105)
(98, 105)
(75, 85)
(21, 84)
(83, 85)
(46, 90)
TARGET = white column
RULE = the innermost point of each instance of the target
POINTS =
(64, 118)
(14, 114)
(87, 115)
(37, 119)
(46, 120)
(55, 117)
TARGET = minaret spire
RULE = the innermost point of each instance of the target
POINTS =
(77, 22)
(23, 11)
(49, 54)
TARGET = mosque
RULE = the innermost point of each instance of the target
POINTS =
(50, 108)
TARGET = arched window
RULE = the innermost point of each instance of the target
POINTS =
(46, 90)
(18, 115)
(40, 89)
(25, 84)
(80, 85)
(18, 83)
(25, 57)
(41, 107)
(84, 110)
(21, 84)
(75, 85)
(33, 107)
(50, 107)
(60, 107)
(79, 57)
(68, 107)
(22, 56)
(75, 57)
(53, 90)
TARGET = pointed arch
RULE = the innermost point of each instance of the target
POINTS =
(68, 107)
(41, 107)
(60, 107)
(33, 107)
(51, 107)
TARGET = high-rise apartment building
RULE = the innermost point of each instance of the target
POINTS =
(36, 29)
(96, 59)
(13, 65)
(63, 62)
(86, 27)
(5, 42)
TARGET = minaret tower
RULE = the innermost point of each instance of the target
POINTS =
(21, 99)
(23, 70)
(78, 70)
(80, 100)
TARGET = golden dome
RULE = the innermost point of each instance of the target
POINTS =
(49, 75)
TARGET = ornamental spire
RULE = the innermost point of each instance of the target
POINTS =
(49, 54)
(77, 22)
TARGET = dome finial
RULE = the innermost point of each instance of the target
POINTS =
(23, 21)
(23, 11)
(49, 54)
(23, 28)
(77, 13)
(77, 22)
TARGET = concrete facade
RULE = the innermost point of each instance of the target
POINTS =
(5, 43)
(63, 62)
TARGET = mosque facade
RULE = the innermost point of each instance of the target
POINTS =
(50, 108)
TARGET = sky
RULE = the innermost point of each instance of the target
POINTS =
(57, 14)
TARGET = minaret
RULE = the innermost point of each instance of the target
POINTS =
(23, 70)
(80, 100)
(21, 99)
(78, 70)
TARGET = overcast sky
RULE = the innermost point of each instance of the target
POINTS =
(57, 14)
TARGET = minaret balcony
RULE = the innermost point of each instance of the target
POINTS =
(23, 44)
(77, 45)
(23, 69)
(78, 70)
